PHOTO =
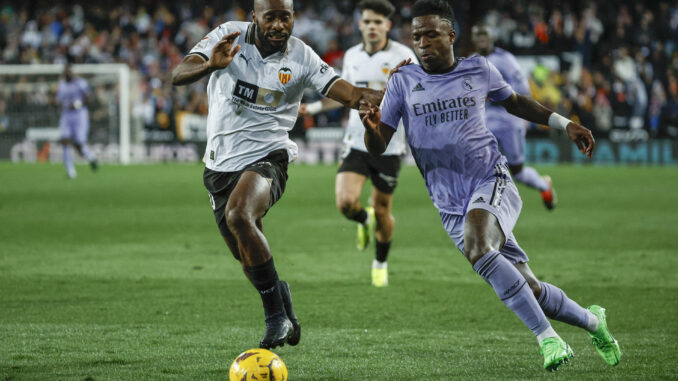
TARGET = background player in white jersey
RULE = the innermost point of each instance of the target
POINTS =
(72, 94)
(442, 105)
(368, 64)
(508, 129)
(258, 74)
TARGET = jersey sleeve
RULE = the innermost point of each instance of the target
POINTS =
(204, 47)
(319, 75)
(497, 88)
(391, 105)
(517, 80)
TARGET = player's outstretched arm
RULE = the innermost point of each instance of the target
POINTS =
(350, 96)
(529, 109)
(377, 134)
(194, 67)
(325, 104)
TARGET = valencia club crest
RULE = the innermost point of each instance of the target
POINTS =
(284, 74)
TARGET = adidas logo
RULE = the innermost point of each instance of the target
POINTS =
(419, 87)
(479, 199)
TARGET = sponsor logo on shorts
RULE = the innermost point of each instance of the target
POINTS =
(390, 180)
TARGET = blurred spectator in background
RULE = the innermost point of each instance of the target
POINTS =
(629, 48)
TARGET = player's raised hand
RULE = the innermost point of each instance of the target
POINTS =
(370, 96)
(224, 52)
(582, 137)
(395, 69)
(370, 115)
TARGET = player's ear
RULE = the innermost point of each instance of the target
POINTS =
(388, 25)
(453, 35)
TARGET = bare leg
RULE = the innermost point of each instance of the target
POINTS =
(347, 189)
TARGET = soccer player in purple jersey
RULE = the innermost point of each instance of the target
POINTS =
(442, 105)
(72, 93)
(508, 129)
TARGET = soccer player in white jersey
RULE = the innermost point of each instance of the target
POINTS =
(368, 64)
(442, 105)
(258, 74)
(72, 94)
(508, 129)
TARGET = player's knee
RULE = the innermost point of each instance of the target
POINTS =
(534, 286)
(382, 212)
(515, 169)
(346, 205)
(237, 219)
(475, 247)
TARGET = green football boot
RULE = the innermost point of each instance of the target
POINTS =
(602, 339)
(556, 352)
(366, 230)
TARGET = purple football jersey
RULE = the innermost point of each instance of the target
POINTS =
(71, 92)
(497, 117)
(444, 120)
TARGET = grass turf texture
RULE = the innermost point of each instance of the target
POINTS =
(121, 275)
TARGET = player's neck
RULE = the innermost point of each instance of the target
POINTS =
(446, 68)
(373, 48)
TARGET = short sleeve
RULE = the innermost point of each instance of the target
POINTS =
(319, 75)
(204, 47)
(391, 105)
(497, 88)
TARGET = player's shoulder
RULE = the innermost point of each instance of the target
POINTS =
(235, 26)
(399, 47)
(353, 50)
(476, 60)
(298, 48)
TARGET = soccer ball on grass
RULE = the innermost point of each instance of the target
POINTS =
(258, 364)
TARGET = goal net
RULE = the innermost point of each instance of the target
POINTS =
(29, 112)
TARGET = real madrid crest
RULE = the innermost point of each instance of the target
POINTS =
(467, 83)
(285, 75)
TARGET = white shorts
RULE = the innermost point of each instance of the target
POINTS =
(500, 197)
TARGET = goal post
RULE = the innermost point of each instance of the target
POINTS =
(24, 83)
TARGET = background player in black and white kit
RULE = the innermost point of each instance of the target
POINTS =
(258, 74)
(368, 64)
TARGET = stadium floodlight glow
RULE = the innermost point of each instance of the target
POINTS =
(122, 72)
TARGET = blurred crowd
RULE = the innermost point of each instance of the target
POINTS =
(623, 75)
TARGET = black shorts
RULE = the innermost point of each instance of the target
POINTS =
(382, 171)
(220, 184)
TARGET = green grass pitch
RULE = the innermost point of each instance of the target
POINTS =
(122, 275)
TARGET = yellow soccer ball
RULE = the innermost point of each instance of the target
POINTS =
(258, 364)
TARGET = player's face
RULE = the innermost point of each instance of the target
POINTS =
(374, 27)
(433, 38)
(482, 40)
(274, 19)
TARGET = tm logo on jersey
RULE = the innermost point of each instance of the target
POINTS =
(255, 97)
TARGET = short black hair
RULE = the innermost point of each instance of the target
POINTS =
(434, 7)
(382, 7)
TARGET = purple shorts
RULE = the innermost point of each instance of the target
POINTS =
(499, 196)
(74, 125)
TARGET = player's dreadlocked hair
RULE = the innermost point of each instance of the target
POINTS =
(434, 7)
(382, 7)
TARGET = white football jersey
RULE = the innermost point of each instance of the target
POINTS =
(253, 103)
(371, 70)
